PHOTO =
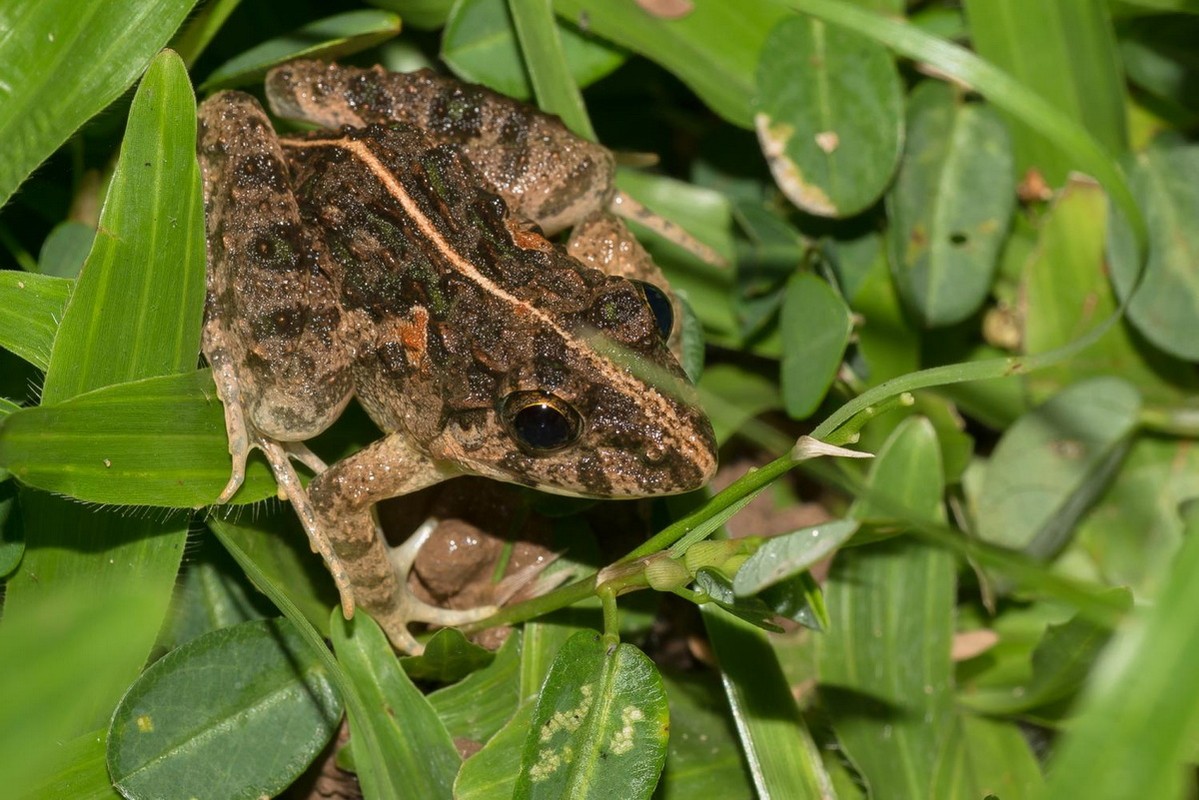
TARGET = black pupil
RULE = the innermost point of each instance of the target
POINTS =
(542, 427)
(659, 304)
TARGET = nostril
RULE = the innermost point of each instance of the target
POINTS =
(654, 454)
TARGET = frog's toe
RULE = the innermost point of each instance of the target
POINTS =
(236, 477)
(411, 608)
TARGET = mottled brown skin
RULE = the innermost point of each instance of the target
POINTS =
(540, 168)
(379, 262)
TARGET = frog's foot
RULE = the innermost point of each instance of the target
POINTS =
(408, 608)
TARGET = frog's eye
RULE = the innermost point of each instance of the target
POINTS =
(540, 422)
(660, 305)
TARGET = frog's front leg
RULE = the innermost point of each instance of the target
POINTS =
(278, 342)
(342, 499)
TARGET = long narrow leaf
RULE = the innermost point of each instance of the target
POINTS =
(537, 31)
(61, 62)
(135, 312)
(30, 307)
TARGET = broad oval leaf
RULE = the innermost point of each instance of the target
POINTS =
(448, 656)
(61, 62)
(1061, 663)
(907, 477)
(782, 557)
(815, 325)
(65, 249)
(829, 116)
(1067, 292)
(479, 46)
(950, 205)
(252, 698)
(1053, 462)
(327, 38)
(1165, 179)
(600, 726)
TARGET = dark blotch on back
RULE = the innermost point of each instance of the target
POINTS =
(260, 170)
(457, 113)
(278, 248)
(288, 323)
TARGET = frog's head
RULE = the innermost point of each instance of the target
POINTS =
(585, 398)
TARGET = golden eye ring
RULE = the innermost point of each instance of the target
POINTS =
(540, 422)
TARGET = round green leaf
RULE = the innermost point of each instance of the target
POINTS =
(600, 728)
(829, 116)
(815, 327)
(950, 205)
(237, 713)
(1165, 180)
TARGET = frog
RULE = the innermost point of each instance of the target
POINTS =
(403, 254)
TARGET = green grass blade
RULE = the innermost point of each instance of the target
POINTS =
(1143, 700)
(195, 36)
(155, 442)
(136, 308)
(556, 92)
(1064, 50)
(135, 312)
(30, 307)
(61, 62)
(885, 670)
(419, 754)
(57, 663)
(784, 762)
(370, 752)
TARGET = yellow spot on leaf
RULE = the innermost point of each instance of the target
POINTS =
(622, 740)
(145, 724)
(570, 719)
(773, 137)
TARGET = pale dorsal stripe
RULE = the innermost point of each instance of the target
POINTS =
(620, 379)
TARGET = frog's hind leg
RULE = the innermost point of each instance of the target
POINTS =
(342, 501)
